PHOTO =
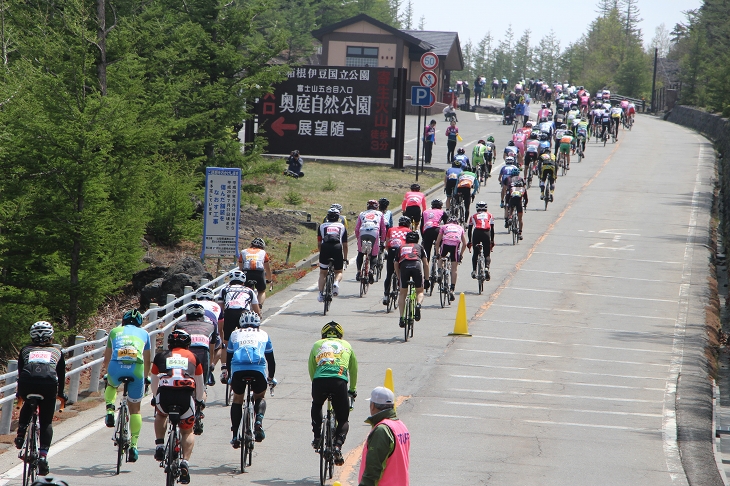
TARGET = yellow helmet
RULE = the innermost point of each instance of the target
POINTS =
(332, 330)
(552, 157)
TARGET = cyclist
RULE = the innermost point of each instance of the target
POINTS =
(566, 144)
(531, 150)
(495, 87)
(491, 153)
(544, 146)
(517, 193)
(250, 352)
(338, 207)
(41, 371)
(461, 156)
(370, 226)
(631, 110)
(332, 244)
(510, 151)
(547, 170)
(616, 114)
(203, 335)
(383, 204)
(205, 297)
(481, 230)
(479, 157)
(412, 263)
(432, 220)
(414, 203)
(394, 239)
(236, 298)
(581, 133)
(254, 262)
(467, 188)
(127, 354)
(450, 240)
(450, 179)
(605, 122)
(177, 380)
(333, 371)
(504, 176)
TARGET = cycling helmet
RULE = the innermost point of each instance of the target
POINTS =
(511, 143)
(518, 183)
(404, 221)
(481, 142)
(204, 293)
(509, 160)
(481, 206)
(132, 317)
(415, 187)
(437, 204)
(412, 237)
(194, 312)
(456, 163)
(544, 137)
(453, 219)
(563, 126)
(41, 331)
(258, 243)
(336, 206)
(460, 151)
(237, 276)
(332, 330)
(528, 124)
(48, 481)
(178, 339)
(490, 139)
(544, 105)
(372, 204)
(249, 319)
(515, 170)
(533, 136)
(333, 215)
(383, 203)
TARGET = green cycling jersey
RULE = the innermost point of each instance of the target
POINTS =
(333, 358)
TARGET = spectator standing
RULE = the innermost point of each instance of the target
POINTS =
(452, 133)
(429, 138)
(467, 95)
(527, 111)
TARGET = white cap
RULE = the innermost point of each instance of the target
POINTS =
(382, 396)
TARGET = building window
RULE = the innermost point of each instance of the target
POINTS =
(361, 56)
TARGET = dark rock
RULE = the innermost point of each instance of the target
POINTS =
(189, 266)
(146, 276)
(175, 284)
(150, 293)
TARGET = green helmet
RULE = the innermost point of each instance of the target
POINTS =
(490, 139)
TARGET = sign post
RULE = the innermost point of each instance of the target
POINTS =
(222, 212)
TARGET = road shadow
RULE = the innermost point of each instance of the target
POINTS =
(279, 481)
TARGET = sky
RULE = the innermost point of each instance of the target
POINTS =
(466, 18)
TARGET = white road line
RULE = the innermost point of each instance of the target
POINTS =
(616, 427)
(571, 344)
(625, 297)
(543, 370)
(59, 446)
(283, 307)
(534, 308)
(669, 423)
(555, 395)
(551, 382)
(586, 328)
(440, 415)
(596, 275)
(534, 290)
(634, 315)
(606, 257)
(556, 409)
(534, 355)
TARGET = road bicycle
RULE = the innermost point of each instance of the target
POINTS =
(514, 225)
(614, 132)
(122, 436)
(199, 416)
(245, 436)
(605, 134)
(367, 249)
(482, 268)
(547, 197)
(379, 263)
(30, 452)
(528, 173)
(563, 163)
(444, 284)
(409, 313)
(329, 283)
(514, 124)
(326, 447)
(173, 447)
(393, 294)
(434, 271)
(458, 210)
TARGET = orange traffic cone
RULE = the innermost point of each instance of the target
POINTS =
(461, 325)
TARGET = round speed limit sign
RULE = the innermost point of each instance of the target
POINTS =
(429, 61)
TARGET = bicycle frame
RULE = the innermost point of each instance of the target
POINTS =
(173, 448)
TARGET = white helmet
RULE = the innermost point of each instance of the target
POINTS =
(237, 275)
(41, 331)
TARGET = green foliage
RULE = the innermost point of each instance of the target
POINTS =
(171, 195)
(293, 197)
(329, 184)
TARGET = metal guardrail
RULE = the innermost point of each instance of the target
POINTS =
(161, 321)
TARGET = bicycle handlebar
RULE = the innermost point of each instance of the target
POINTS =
(272, 384)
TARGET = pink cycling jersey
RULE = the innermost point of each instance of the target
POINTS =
(432, 218)
(451, 234)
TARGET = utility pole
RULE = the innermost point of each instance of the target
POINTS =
(653, 80)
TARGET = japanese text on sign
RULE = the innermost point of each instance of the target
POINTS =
(222, 210)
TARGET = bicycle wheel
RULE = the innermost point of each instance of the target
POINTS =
(331, 444)
(513, 228)
(228, 394)
(328, 292)
(323, 453)
(171, 458)
(480, 271)
(30, 454)
(546, 193)
(432, 277)
(121, 437)
(406, 316)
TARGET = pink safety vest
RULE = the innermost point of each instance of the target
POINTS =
(396, 466)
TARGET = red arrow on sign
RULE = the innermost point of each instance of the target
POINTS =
(279, 126)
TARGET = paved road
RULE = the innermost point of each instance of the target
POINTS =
(568, 379)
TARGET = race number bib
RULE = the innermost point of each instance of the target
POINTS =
(127, 353)
(176, 363)
(40, 357)
(199, 340)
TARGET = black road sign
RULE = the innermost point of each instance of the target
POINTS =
(322, 110)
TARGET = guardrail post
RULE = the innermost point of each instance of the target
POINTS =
(203, 282)
(96, 369)
(169, 317)
(187, 290)
(7, 410)
(73, 387)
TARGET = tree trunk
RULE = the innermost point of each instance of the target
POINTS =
(101, 42)
(73, 301)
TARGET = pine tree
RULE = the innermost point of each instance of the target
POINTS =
(408, 15)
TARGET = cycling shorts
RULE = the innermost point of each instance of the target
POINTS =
(548, 172)
(333, 251)
(230, 321)
(118, 370)
(564, 148)
(451, 251)
(168, 396)
(258, 277)
(516, 202)
(413, 212)
(449, 186)
(239, 385)
(411, 270)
